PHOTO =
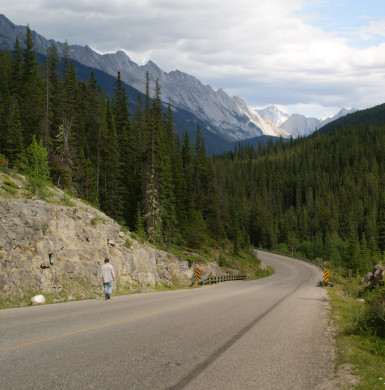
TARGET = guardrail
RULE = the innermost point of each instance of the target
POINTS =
(294, 257)
(226, 278)
(218, 279)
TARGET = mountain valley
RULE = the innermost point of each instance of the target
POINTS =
(224, 121)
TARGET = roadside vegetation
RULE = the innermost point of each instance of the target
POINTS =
(359, 330)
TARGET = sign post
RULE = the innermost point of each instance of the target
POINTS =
(326, 276)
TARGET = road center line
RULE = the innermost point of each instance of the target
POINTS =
(31, 342)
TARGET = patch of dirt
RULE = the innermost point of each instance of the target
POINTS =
(342, 379)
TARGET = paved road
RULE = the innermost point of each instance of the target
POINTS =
(262, 334)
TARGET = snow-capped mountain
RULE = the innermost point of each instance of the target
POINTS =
(274, 115)
(227, 116)
(297, 124)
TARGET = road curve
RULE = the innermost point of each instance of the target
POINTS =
(261, 334)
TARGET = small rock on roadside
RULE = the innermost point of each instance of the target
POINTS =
(38, 300)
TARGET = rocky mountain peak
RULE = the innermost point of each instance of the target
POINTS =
(273, 114)
(228, 117)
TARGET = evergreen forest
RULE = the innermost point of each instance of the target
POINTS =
(320, 197)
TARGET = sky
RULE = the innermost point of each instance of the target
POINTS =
(311, 57)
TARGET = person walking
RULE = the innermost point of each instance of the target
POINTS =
(107, 277)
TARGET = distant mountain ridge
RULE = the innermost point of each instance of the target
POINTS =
(369, 117)
(227, 116)
(299, 125)
(223, 119)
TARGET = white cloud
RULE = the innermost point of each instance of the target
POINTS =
(265, 52)
(374, 28)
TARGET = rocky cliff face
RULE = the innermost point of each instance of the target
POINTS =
(375, 277)
(57, 249)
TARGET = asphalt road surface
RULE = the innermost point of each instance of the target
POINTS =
(261, 334)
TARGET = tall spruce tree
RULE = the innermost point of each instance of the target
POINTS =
(95, 119)
(110, 191)
(164, 150)
(16, 85)
(52, 114)
(137, 173)
(14, 142)
(31, 91)
(126, 151)
(5, 95)
(151, 197)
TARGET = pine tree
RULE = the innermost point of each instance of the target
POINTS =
(353, 253)
(14, 143)
(29, 57)
(70, 88)
(139, 226)
(66, 140)
(84, 179)
(187, 163)
(165, 150)
(365, 263)
(200, 172)
(151, 199)
(52, 115)
(110, 191)
(64, 158)
(126, 151)
(195, 232)
(152, 210)
(37, 169)
(6, 67)
(31, 91)
(381, 227)
(17, 70)
(136, 174)
(95, 119)
(120, 106)
(5, 73)
(213, 219)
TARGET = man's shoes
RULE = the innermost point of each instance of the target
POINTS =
(109, 296)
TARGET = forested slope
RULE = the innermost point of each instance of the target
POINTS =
(134, 167)
(370, 116)
(321, 196)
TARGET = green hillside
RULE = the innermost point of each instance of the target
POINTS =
(370, 116)
(321, 196)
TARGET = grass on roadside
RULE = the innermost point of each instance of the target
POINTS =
(359, 347)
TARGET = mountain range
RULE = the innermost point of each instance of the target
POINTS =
(223, 120)
(296, 124)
